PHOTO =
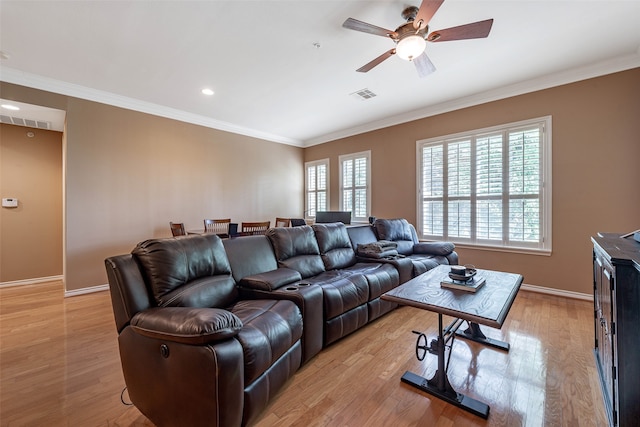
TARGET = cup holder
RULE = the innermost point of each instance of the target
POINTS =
(304, 284)
(291, 288)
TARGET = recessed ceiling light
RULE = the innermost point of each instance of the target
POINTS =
(10, 107)
(207, 91)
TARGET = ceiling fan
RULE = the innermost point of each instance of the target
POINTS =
(411, 38)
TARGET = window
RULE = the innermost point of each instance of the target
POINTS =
(490, 187)
(316, 187)
(355, 188)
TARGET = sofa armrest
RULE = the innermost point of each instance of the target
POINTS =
(453, 258)
(434, 248)
(270, 280)
(308, 297)
(187, 325)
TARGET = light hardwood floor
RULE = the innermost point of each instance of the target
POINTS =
(59, 366)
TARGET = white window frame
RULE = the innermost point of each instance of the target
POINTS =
(541, 247)
(309, 213)
(352, 157)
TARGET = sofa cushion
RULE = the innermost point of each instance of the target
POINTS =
(393, 229)
(197, 262)
(361, 235)
(396, 230)
(187, 325)
(335, 245)
(424, 263)
(433, 248)
(297, 248)
(342, 291)
(381, 277)
(271, 280)
(208, 291)
(271, 328)
(249, 255)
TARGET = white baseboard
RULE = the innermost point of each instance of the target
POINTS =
(71, 293)
(30, 281)
(557, 292)
(82, 291)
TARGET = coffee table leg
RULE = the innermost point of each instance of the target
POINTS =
(474, 333)
(439, 385)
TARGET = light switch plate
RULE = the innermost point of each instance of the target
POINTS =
(9, 203)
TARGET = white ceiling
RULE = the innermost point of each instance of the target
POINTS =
(271, 82)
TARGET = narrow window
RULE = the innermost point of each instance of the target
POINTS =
(316, 187)
(355, 188)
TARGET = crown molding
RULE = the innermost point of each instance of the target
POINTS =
(21, 78)
(618, 64)
(552, 80)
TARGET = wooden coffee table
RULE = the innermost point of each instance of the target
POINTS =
(488, 306)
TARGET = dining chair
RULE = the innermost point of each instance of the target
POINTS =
(283, 222)
(217, 226)
(252, 228)
(177, 229)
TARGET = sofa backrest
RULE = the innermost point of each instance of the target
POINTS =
(297, 248)
(249, 255)
(189, 271)
(399, 231)
(361, 235)
(335, 246)
(323, 217)
(129, 293)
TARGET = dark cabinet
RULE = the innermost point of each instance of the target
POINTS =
(616, 297)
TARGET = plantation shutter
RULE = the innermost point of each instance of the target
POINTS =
(486, 188)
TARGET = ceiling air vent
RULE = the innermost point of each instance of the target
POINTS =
(10, 120)
(363, 94)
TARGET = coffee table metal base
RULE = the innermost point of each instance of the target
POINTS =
(451, 396)
(439, 385)
(474, 333)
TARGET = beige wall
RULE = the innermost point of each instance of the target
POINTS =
(596, 170)
(31, 234)
(128, 174)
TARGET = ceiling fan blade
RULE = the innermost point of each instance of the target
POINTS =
(476, 30)
(376, 61)
(354, 24)
(424, 66)
(428, 8)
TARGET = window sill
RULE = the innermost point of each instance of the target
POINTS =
(515, 250)
(526, 251)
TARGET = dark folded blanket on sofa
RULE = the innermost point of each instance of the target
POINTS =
(379, 249)
(391, 253)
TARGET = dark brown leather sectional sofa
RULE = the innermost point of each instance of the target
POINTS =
(209, 330)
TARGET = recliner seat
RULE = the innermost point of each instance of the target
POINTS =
(191, 341)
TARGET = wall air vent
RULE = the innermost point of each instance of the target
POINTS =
(11, 120)
(363, 94)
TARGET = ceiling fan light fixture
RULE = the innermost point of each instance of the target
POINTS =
(410, 47)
